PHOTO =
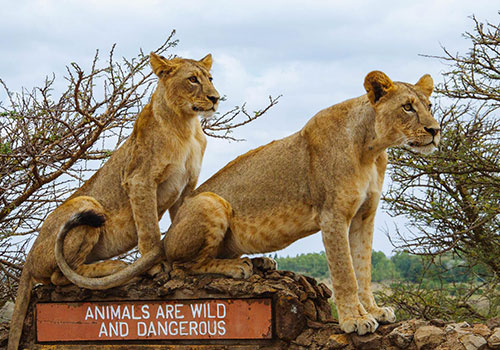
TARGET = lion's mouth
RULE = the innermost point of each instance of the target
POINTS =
(417, 144)
(198, 109)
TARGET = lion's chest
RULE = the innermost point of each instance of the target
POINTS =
(179, 174)
(369, 189)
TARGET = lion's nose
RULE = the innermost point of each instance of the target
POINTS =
(432, 131)
(214, 99)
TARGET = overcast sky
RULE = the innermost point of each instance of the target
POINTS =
(314, 52)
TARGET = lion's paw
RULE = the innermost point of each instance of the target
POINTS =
(242, 268)
(384, 314)
(264, 263)
(361, 325)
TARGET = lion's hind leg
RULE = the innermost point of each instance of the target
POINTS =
(196, 236)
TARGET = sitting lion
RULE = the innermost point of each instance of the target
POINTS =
(328, 177)
(119, 207)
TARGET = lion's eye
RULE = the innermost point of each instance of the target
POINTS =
(408, 107)
(193, 79)
(210, 78)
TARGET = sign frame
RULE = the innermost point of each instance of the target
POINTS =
(143, 321)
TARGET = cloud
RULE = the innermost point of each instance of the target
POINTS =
(314, 53)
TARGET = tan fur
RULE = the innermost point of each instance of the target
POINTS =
(155, 168)
(328, 177)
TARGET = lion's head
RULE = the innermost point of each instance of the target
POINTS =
(403, 111)
(186, 84)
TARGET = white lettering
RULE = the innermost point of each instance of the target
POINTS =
(208, 311)
(113, 329)
(123, 329)
(88, 314)
(175, 331)
(115, 313)
(196, 310)
(221, 325)
(178, 311)
(103, 330)
(141, 329)
(151, 330)
(133, 314)
(183, 326)
(100, 312)
(126, 312)
(202, 326)
(145, 311)
(159, 312)
(221, 310)
(214, 331)
(162, 328)
(169, 311)
(193, 328)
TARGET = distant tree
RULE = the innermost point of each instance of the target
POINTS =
(451, 198)
(50, 142)
(312, 264)
(383, 269)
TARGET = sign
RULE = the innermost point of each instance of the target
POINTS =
(154, 320)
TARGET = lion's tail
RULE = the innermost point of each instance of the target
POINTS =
(95, 219)
(20, 308)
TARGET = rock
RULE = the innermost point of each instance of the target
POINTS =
(322, 336)
(402, 336)
(494, 339)
(385, 329)
(428, 337)
(310, 310)
(482, 330)
(326, 291)
(305, 339)
(452, 342)
(301, 311)
(290, 318)
(473, 342)
(170, 287)
(493, 322)
(337, 341)
(457, 327)
(367, 342)
(438, 322)
(324, 312)
(309, 289)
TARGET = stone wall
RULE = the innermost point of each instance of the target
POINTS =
(302, 315)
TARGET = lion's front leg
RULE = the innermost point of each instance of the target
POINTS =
(352, 315)
(360, 241)
(142, 197)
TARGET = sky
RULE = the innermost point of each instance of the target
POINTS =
(313, 53)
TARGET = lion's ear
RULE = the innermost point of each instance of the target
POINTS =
(426, 84)
(377, 84)
(161, 66)
(206, 61)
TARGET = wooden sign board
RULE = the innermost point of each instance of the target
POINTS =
(154, 320)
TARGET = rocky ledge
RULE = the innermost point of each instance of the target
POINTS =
(302, 314)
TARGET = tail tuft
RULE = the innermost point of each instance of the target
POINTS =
(88, 217)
